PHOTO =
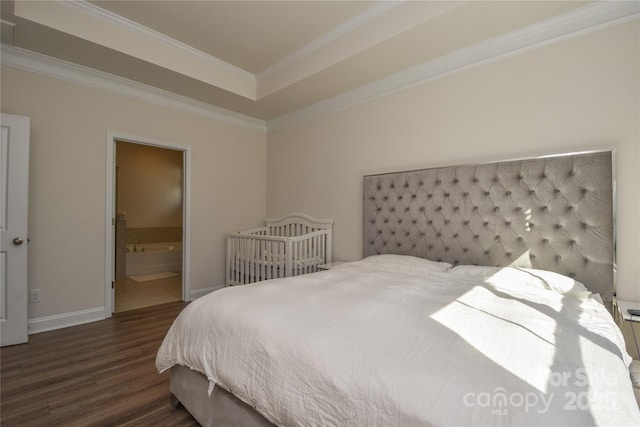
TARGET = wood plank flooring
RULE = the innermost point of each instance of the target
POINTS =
(97, 374)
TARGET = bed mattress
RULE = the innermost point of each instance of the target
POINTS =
(403, 341)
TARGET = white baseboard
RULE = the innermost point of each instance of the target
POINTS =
(58, 321)
(197, 293)
(64, 320)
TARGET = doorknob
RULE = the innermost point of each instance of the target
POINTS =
(18, 241)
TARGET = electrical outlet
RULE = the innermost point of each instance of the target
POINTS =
(35, 295)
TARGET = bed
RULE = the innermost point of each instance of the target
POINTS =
(289, 246)
(415, 333)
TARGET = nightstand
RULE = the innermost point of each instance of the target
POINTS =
(622, 313)
(328, 266)
(622, 310)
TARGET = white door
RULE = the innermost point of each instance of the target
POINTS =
(14, 185)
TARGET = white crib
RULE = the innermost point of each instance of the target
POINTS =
(288, 246)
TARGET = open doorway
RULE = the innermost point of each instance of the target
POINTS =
(148, 229)
(148, 187)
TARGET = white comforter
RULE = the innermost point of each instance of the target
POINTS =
(387, 344)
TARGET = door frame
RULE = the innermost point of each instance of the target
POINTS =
(109, 284)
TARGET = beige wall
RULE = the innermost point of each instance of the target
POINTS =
(578, 94)
(149, 185)
(67, 199)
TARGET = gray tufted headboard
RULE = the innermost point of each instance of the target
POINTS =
(552, 213)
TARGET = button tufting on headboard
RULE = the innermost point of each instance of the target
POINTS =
(554, 213)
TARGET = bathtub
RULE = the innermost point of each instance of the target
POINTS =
(146, 258)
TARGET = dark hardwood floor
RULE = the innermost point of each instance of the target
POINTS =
(97, 374)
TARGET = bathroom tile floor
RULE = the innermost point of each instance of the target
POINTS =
(131, 295)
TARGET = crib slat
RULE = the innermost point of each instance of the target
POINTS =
(251, 261)
(265, 259)
(282, 259)
(300, 258)
(289, 260)
(305, 255)
(277, 261)
(248, 259)
(236, 260)
(256, 257)
(268, 258)
(313, 256)
(245, 261)
(240, 260)
(245, 255)
(260, 257)
(315, 253)
(282, 262)
(239, 257)
(292, 257)
(274, 261)
(229, 266)
(310, 259)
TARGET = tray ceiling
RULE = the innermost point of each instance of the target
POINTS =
(264, 59)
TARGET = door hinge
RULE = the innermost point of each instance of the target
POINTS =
(113, 284)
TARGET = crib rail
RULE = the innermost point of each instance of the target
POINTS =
(252, 258)
(297, 224)
(307, 253)
(258, 231)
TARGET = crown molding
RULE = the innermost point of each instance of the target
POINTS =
(41, 64)
(104, 14)
(572, 24)
(380, 8)
(84, 20)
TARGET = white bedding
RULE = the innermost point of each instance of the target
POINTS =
(396, 344)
